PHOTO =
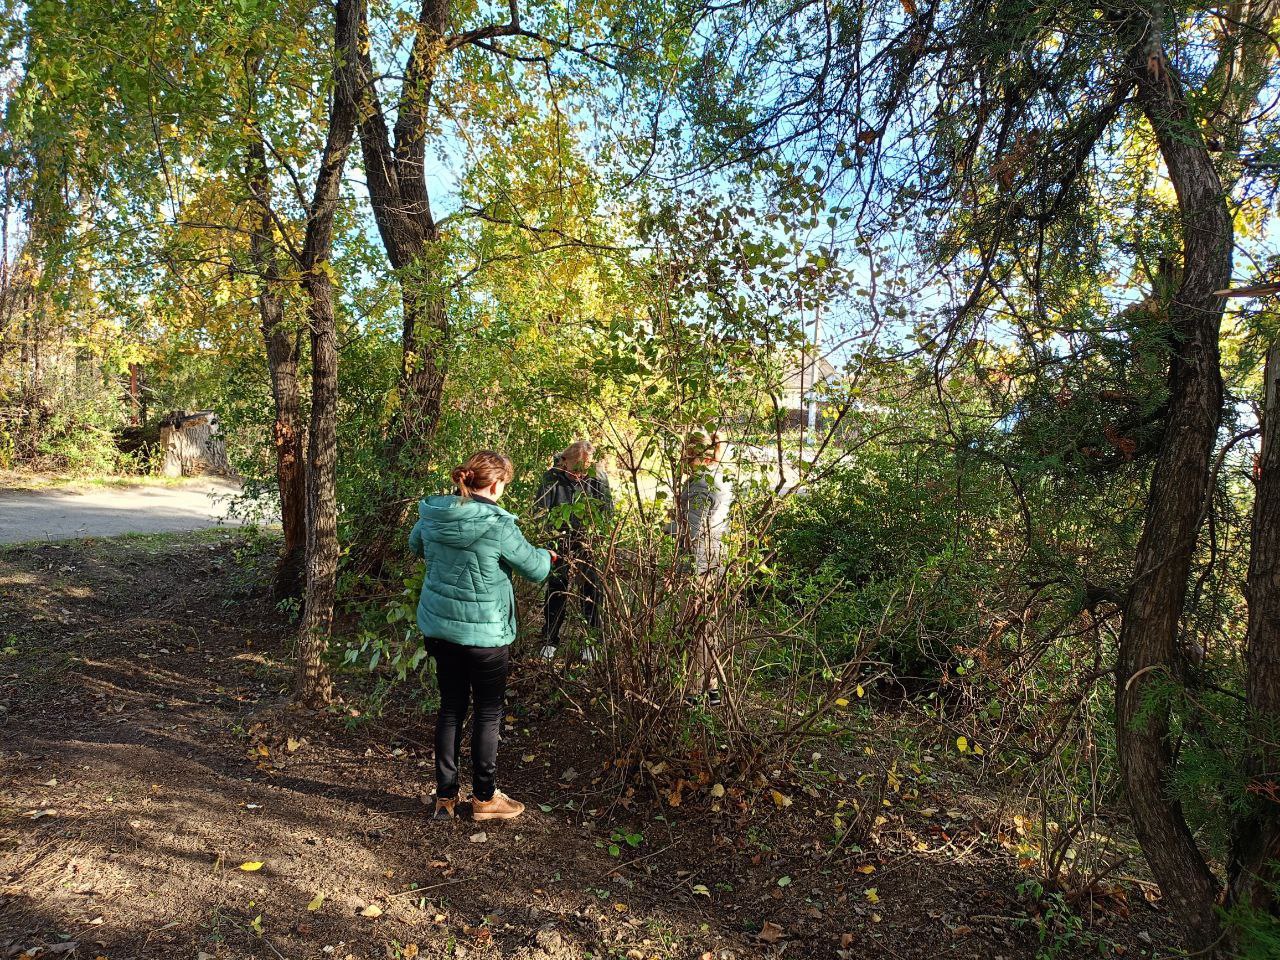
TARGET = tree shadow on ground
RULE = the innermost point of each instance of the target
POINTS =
(152, 763)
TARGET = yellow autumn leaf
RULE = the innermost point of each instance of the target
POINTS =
(962, 744)
(871, 895)
(866, 868)
(841, 702)
(251, 865)
(316, 902)
(620, 907)
(860, 692)
(977, 748)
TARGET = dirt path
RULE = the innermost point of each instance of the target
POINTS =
(63, 513)
(149, 755)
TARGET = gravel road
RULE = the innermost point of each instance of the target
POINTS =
(67, 513)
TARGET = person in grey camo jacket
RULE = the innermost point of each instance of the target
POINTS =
(702, 519)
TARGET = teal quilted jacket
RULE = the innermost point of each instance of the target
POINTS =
(471, 549)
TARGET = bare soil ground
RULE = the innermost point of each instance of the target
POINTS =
(150, 761)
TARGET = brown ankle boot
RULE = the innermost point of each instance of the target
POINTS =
(445, 809)
(501, 807)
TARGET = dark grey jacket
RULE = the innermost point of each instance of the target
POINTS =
(560, 488)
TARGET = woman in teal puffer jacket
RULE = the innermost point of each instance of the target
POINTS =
(467, 612)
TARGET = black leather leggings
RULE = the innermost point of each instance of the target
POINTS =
(475, 675)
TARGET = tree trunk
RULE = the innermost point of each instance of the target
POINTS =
(422, 374)
(282, 355)
(394, 162)
(313, 684)
(1255, 848)
(282, 363)
(314, 687)
(1148, 672)
(135, 403)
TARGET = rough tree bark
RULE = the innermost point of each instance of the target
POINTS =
(282, 348)
(1255, 842)
(313, 686)
(1148, 668)
(395, 169)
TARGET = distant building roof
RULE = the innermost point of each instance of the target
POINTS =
(807, 373)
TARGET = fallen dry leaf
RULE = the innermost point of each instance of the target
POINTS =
(770, 932)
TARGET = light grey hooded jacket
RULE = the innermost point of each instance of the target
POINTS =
(703, 506)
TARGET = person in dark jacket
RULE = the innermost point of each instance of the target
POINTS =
(467, 612)
(573, 494)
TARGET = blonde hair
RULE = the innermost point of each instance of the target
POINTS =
(481, 471)
(576, 455)
(701, 447)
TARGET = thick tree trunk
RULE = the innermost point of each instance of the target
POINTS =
(1255, 848)
(394, 164)
(1253, 876)
(1148, 672)
(313, 684)
(282, 364)
(422, 378)
(422, 373)
(282, 355)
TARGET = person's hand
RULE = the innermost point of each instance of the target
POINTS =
(555, 557)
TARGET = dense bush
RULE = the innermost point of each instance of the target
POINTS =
(68, 431)
(884, 542)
